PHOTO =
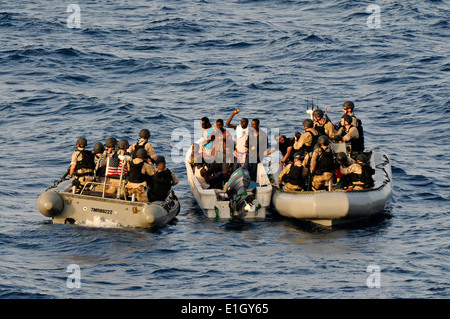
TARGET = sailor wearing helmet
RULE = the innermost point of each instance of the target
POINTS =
(144, 134)
(82, 164)
(140, 172)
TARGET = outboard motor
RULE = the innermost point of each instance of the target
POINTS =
(241, 202)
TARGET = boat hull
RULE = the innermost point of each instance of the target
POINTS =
(213, 207)
(94, 210)
(338, 206)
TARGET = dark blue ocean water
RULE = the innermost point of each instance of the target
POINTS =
(162, 65)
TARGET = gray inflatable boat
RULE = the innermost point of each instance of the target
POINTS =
(88, 207)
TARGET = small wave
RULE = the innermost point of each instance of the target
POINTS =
(6, 19)
(210, 43)
(441, 24)
(431, 196)
(431, 59)
(176, 25)
(316, 39)
(446, 67)
(95, 32)
(239, 45)
(74, 77)
(147, 47)
(159, 65)
(22, 295)
(171, 272)
(385, 79)
(266, 86)
(68, 52)
(33, 52)
(419, 180)
(398, 170)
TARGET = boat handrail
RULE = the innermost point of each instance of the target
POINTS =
(90, 184)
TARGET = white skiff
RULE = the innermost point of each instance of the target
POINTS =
(214, 204)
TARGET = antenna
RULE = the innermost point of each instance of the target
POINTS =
(307, 106)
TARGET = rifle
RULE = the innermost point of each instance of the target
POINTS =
(63, 177)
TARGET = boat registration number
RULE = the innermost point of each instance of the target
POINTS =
(101, 210)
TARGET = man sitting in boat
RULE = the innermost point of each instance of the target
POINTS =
(201, 166)
(349, 134)
(294, 175)
(348, 109)
(344, 161)
(204, 168)
(285, 147)
(202, 175)
(123, 150)
(144, 134)
(102, 153)
(140, 170)
(100, 162)
(162, 181)
(117, 167)
(304, 142)
(82, 165)
(360, 174)
(322, 124)
(322, 163)
(123, 147)
(110, 147)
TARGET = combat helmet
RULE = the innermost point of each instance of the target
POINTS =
(144, 133)
(141, 153)
(341, 157)
(363, 158)
(347, 118)
(160, 159)
(82, 141)
(308, 123)
(323, 139)
(318, 113)
(299, 156)
(111, 142)
(349, 105)
(98, 148)
(123, 144)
